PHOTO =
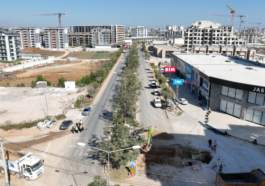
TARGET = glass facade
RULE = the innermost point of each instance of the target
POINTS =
(232, 92)
(256, 98)
(230, 108)
(255, 116)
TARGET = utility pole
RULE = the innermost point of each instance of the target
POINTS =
(46, 105)
(4, 162)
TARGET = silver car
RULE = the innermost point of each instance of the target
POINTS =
(86, 111)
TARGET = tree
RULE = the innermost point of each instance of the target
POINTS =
(86, 80)
(98, 181)
(91, 91)
(33, 84)
(61, 82)
(167, 92)
(40, 78)
(94, 84)
(49, 83)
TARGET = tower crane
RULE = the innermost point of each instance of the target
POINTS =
(233, 15)
(59, 14)
(241, 16)
(256, 23)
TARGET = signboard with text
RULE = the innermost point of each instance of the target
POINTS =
(177, 81)
(169, 69)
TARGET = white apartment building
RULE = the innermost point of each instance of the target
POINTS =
(9, 45)
(29, 37)
(249, 34)
(206, 32)
(139, 31)
(55, 38)
(100, 36)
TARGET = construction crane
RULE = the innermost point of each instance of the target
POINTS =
(59, 14)
(241, 16)
(256, 23)
(233, 15)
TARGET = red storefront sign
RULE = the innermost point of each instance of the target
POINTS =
(169, 69)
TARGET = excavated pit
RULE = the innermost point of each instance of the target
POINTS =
(176, 155)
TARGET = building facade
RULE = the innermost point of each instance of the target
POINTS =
(56, 38)
(174, 34)
(139, 31)
(29, 37)
(117, 31)
(249, 34)
(240, 93)
(9, 45)
(210, 33)
(79, 39)
(100, 36)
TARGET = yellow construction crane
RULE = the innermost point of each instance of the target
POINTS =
(233, 15)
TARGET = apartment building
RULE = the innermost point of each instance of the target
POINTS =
(139, 31)
(29, 37)
(117, 31)
(79, 38)
(9, 45)
(56, 38)
(4, 28)
(100, 36)
(249, 34)
(210, 33)
(174, 34)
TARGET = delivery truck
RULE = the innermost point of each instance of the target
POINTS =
(28, 166)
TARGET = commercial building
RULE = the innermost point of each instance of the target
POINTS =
(249, 34)
(210, 33)
(139, 31)
(29, 37)
(9, 45)
(56, 38)
(165, 51)
(117, 31)
(225, 83)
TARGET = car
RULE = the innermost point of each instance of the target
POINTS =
(157, 103)
(66, 124)
(167, 80)
(156, 92)
(161, 70)
(153, 84)
(182, 101)
(86, 111)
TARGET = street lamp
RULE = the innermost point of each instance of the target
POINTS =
(84, 145)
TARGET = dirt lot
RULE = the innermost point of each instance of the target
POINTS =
(44, 53)
(72, 71)
(81, 55)
(100, 55)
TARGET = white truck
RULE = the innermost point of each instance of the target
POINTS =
(29, 167)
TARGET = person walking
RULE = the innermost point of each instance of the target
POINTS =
(210, 142)
(221, 168)
(226, 131)
(215, 144)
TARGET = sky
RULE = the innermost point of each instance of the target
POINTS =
(149, 13)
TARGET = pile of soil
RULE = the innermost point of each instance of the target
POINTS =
(158, 135)
(31, 49)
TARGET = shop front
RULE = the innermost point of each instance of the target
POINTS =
(181, 69)
(188, 75)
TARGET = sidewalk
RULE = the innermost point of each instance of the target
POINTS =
(219, 120)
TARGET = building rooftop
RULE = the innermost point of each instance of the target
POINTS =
(9, 32)
(227, 67)
(148, 37)
(167, 47)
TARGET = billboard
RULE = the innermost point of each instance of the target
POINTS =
(177, 81)
(169, 69)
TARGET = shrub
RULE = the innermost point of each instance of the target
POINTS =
(79, 102)
(33, 84)
(18, 85)
(91, 91)
(22, 85)
(61, 82)
(94, 84)
(49, 83)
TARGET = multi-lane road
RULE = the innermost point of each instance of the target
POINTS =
(74, 173)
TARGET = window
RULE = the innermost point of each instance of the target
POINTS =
(257, 116)
(251, 97)
(223, 105)
(263, 119)
(231, 92)
(230, 108)
(239, 94)
(224, 90)
(249, 114)
(237, 110)
(259, 99)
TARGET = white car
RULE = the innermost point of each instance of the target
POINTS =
(156, 92)
(157, 103)
(153, 84)
(182, 101)
(161, 70)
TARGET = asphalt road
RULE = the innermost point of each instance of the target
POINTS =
(73, 173)
(149, 115)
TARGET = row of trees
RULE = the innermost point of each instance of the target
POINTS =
(124, 111)
(147, 55)
(61, 81)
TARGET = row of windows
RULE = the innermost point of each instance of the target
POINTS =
(256, 98)
(230, 108)
(255, 116)
(232, 92)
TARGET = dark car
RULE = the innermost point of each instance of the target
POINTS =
(65, 124)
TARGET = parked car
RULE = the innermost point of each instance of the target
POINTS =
(86, 111)
(153, 84)
(156, 92)
(167, 80)
(161, 69)
(66, 124)
(182, 101)
(157, 103)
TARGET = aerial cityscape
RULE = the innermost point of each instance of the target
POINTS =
(117, 93)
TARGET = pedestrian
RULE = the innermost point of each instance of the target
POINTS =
(221, 168)
(215, 144)
(73, 129)
(80, 127)
(105, 112)
(83, 126)
(226, 131)
(81, 122)
(210, 142)
(76, 129)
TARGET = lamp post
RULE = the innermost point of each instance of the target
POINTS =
(133, 147)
